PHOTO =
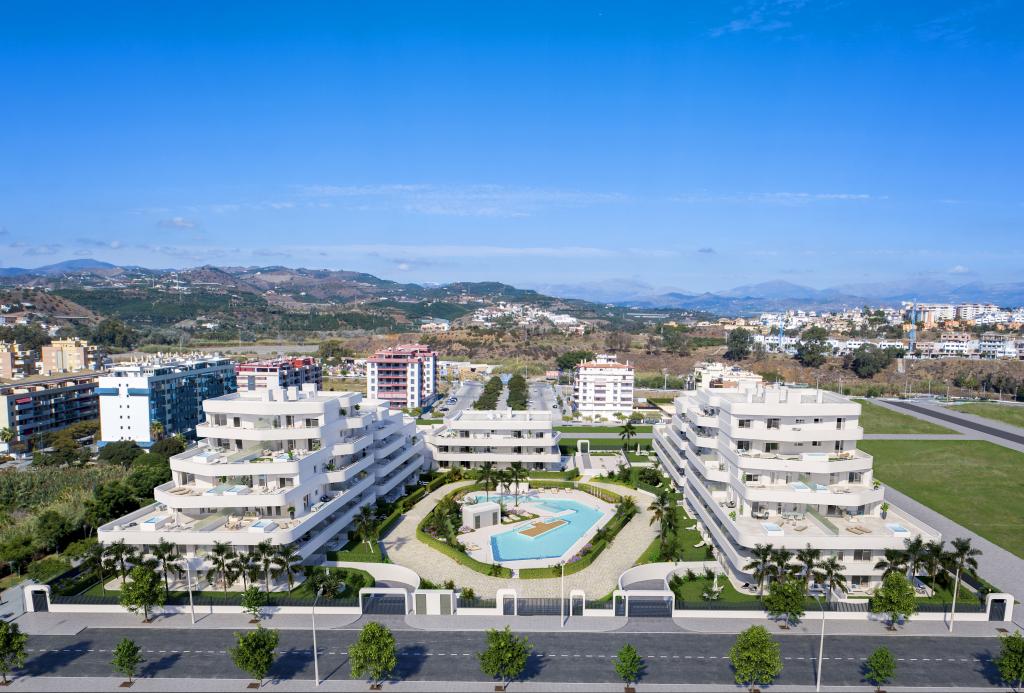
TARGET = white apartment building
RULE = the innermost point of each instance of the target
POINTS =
(603, 388)
(168, 392)
(769, 464)
(291, 465)
(404, 376)
(501, 437)
(998, 345)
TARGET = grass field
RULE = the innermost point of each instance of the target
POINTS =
(1007, 413)
(973, 482)
(878, 419)
(640, 428)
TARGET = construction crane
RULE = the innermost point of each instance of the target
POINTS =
(913, 326)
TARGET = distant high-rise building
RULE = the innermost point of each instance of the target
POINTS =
(16, 361)
(403, 376)
(32, 407)
(604, 388)
(68, 356)
(169, 392)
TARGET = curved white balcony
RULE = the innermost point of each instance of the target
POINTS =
(804, 463)
(351, 447)
(335, 476)
(801, 493)
(796, 433)
(708, 466)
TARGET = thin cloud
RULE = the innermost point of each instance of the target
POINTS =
(706, 251)
(959, 269)
(178, 223)
(42, 249)
(762, 15)
(787, 199)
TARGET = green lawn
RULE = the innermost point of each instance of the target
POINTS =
(878, 419)
(691, 591)
(683, 542)
(1007, 413)
(357, 551)
(973, 482)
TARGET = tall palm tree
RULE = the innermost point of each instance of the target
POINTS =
(263, 556)
(501, 478)
(327, 582)
(487, 478)
(241, 566)
(122, 555)
(288, 562)
(760, 565)
(627, 433)
(894, 561)
(962, 556)
(934, 557)
(366, 526)
(516, 475)
(166, 554)
(808, 558)
(829, 574)
(781, 566)
(916, 551)
(156, 430)
(663, 511)
(93, 560)
(221, 556)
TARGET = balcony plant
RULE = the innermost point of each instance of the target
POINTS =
(291, 511)
(885, 510)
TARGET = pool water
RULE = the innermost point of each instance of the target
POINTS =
(515, 546)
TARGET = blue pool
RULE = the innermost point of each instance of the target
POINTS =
(515, 546)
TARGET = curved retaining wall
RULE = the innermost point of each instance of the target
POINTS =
(382, 572)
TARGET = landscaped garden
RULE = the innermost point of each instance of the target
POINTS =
(681, 543)
(877, 419)
(973, 482)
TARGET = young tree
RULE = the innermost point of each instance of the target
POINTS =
(894, 598)
(12, 648)
(1011, 659)
(786, 598)
(366, 527)
(627, 434)
(755, 657)
(328, 582)
(373, 655)
(628, 664)
(487, 478)
(962, 556)
(506, 655)
(516, 476)
(253, 601)
(142, 591)
(738, 344)
(879, 668)
(127, 658)
(254, 653)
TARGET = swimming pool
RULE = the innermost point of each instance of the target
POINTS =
(513, 545)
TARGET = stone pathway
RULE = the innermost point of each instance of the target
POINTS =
(403, 548)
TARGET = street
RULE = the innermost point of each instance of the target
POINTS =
(466, 394)
(670, 656)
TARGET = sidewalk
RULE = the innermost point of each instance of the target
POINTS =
(811, 625)
(50, 623)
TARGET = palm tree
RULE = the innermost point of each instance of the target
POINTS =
(934, 557)
(263, 556)
(366, 526)
(92, 560)
(663, 511)
(241, 565)
(808, 558)
(221, 556)
(894, 561)
(289, 562)
(627, 433)
(327, 582)
(6, 434)
(829, 574)
(781, 566)
(516, 475)
(915, 550)
(156, 430)
(962, 556)
(487, 478)
(760, 565)
(122, 555)
(626, 506)
(166, 554)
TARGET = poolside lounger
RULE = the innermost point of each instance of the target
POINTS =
(700, 544)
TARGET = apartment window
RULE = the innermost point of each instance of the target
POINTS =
(743, 445)
(773, 423)
(839, 446)
(817, 420)
(815, 443)
(236, 422)
(744, 423)
(750, 477)
(799, 421)
(839, 423)
(862, 555)
(771, 447)
(855, 477)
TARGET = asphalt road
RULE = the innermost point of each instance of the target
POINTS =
(467, 395)
(542, 397)
(946, 415)
(670, 656)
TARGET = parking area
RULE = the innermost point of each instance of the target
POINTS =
(543, 398)
(465, 396)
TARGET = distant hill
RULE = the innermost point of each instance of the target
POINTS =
(57, 268)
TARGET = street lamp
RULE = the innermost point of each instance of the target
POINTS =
(316, 661)
(821, 645)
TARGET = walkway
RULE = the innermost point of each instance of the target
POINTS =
(969, 426)
(402, 547)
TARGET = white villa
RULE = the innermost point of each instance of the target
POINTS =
(770, 464)
(501, 437)
(290, 465)
(603, 388)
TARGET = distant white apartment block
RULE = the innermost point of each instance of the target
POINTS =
(69, 356)
(403, 376)
(168, 392)
(603, 388)
(274, 373)
(292, 466)
(470, 438)
(769, 464)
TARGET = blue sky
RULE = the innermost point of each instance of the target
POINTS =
(684, 144)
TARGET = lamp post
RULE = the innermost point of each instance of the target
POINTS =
(821, 645)
(188, 581)
(316, 661)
